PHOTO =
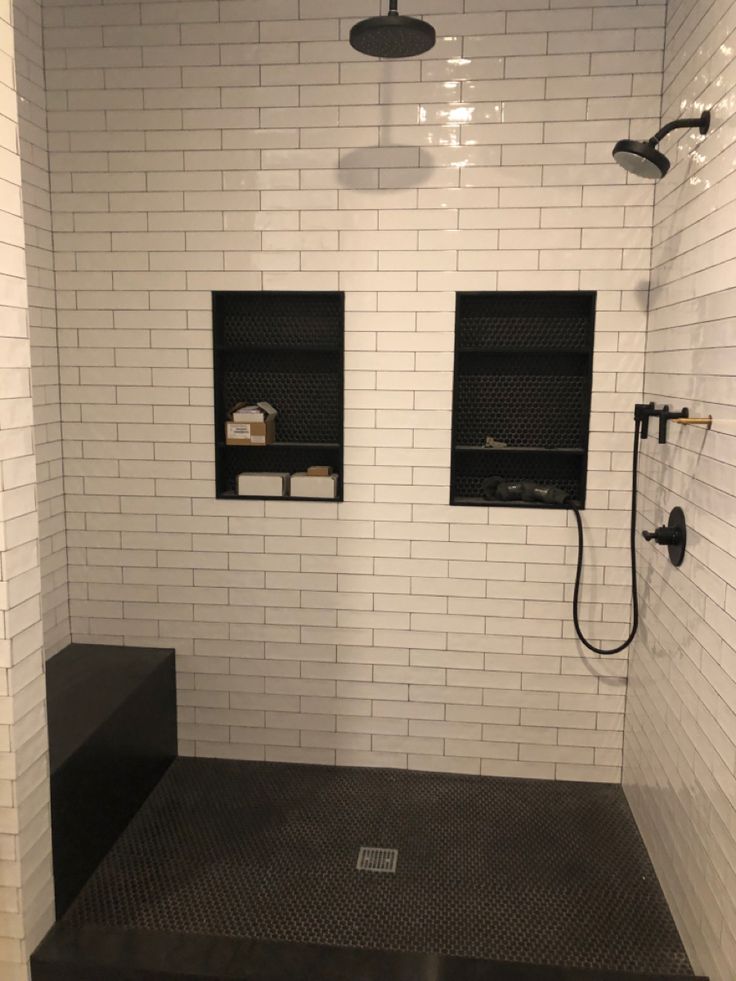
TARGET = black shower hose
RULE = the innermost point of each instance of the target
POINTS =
(579, 571)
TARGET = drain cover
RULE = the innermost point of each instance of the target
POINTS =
(377, 859)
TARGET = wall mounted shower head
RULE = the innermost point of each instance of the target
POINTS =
(392, 36)
(644, 159)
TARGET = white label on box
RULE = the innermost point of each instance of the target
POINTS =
(240, 430)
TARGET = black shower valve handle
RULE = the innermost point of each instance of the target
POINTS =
(664, 535)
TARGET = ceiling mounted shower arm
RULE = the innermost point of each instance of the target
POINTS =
(393, 6)
(702, 123)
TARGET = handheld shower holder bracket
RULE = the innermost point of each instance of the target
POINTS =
(665, 416)
(644, 411)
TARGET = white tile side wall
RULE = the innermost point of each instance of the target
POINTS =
(26, 897)
(42, 311)
(680, 759)
(243, 144)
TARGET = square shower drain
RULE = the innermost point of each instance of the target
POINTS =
(377, 859)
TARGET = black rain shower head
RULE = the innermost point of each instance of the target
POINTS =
(644, 159)
(392, 36)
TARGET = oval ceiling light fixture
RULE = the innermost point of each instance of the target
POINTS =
(392, 35)
(644, 159)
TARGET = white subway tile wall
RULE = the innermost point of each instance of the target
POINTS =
(42, 311)
(244, 145)
(26, 895)
(680, 772)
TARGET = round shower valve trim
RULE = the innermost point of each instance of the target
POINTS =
(673, 535)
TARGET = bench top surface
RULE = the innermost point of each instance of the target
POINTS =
(86, 684)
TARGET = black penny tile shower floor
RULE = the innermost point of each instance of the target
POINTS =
(513, 871)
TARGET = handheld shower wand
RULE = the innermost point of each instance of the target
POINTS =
(524, 490)
(674, 535)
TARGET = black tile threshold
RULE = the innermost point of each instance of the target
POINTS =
(238, 871)
(104, 954)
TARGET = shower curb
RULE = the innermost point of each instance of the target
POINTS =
(89, 953)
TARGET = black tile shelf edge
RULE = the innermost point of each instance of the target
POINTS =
(277, 445)
(473, 502)
(261, 348)
(92, 953)
(521, 351)
(569, 450)
(251, 497)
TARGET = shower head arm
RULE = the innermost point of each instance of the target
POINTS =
(702, 122)
(393, 6)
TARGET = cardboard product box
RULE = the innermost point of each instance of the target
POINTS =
(263, 484)
(306, 485)
(251, 425)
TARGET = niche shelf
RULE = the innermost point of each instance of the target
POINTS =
(523, 375)
(286, 348)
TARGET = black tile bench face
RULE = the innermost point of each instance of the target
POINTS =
(112, 736)
(250, 863)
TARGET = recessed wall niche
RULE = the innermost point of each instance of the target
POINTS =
(287, 349)
(521, 396)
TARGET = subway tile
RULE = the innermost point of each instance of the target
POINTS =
(413, 619)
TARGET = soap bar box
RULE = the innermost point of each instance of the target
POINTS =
(308, 485)
(263, 484)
